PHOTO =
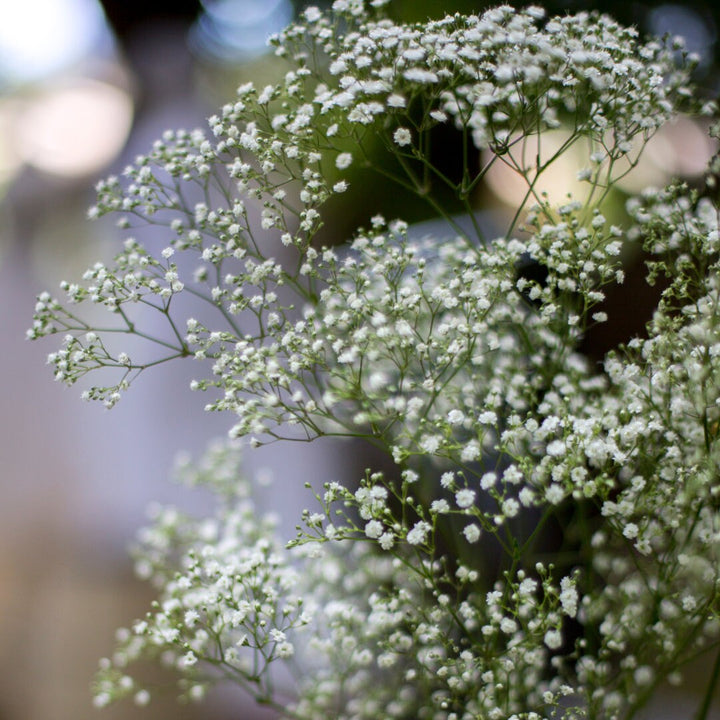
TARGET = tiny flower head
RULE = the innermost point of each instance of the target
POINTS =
(402, 137)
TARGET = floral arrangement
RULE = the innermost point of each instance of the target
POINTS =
(431, 590)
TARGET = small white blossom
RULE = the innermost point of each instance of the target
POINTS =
(418, 534)
(343, 161)
(402, 137)
(465, 498)
(553, 639)
(472, 533)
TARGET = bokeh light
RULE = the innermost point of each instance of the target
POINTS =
(556, 181)
(54, 117)
(74, 128)
(698, 31)
(237, 30)
(39, 38)
(679, 149)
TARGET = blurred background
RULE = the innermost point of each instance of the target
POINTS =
(85, 86)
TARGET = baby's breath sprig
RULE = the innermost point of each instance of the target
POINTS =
(437, 589)
(227, 606)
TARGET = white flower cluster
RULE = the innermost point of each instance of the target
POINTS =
(431, 591)
(391, 643)
(495, 75)
(499, 76)
(228, 600)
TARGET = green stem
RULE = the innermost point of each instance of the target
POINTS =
(707, 700)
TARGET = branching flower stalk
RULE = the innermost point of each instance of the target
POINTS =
(432, 591)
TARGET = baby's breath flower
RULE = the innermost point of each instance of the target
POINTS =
(402, 137)
(465, 498)
(343, 161)
(472, 533)
(450, 351)
(418, 534)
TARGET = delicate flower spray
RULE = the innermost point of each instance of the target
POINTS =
(427, 592)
